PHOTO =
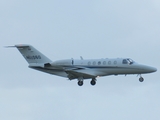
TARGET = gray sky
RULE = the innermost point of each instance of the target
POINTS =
(68, 29)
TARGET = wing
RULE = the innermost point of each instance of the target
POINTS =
(86, 73)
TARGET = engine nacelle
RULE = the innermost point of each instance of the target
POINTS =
(67, 62)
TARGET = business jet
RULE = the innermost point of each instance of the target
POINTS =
(82, 69)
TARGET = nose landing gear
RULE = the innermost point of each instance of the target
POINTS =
(141, 79)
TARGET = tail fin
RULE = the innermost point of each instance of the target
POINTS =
(32, 55)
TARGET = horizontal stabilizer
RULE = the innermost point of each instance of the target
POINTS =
(18, 46)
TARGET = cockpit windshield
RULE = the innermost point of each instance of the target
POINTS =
(128, 61)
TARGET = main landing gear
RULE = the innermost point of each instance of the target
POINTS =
(93, 81)
(80, 81)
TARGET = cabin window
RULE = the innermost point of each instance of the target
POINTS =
(94, 63)
(89, 63)
(99, 63)
(115, 62)
(104, 62)
(109, 62)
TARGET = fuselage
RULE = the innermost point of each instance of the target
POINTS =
(98, 67)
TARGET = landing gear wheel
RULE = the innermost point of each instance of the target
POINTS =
(93, 82)
(141, 79)
(80, 83)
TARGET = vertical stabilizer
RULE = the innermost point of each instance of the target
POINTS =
(32, 55)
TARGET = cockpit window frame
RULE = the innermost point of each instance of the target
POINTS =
(130, 61)
(127, 61)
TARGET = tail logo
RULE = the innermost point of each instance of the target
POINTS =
(33, 57)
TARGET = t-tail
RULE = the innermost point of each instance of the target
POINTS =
(32, 56)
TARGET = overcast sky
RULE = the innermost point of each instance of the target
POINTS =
(63, 29)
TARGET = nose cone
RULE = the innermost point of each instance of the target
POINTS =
(142, 69)
(150, 69)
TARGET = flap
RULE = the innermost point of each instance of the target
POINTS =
(85, 73)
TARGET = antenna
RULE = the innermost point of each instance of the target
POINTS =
(81, 57)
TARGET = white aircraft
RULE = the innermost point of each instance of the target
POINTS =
(82, 69)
